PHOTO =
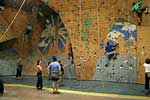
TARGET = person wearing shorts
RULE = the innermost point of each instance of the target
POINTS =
(54, 70)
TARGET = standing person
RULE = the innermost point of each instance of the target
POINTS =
(110, 52)
(147, 75)
(62, 73)
(39, 84)
(138, 9)
(19, 69)
(54, 69)
(1, 88)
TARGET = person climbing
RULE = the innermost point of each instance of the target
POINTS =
(1, 87)
(62, 73)
(147, 75)
(19, 68)
(138, 9)
(110, 52)
(39, 84)
(29, 30)
(35, 12)
(55, 71)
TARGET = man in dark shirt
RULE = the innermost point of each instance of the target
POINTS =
(62, 73)
(110, 52)
(19, 69)
(138, 9)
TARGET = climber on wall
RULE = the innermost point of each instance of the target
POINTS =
(29, 30)
(110, 52)
(139, 9)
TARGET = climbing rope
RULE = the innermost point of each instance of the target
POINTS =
(7, 29)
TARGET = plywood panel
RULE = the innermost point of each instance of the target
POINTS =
(88, 23)
(143, 51)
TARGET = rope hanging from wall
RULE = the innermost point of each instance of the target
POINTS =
(7, 29)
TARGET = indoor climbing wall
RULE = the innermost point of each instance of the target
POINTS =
(88, 25)
(8, 67)
(8, 60)
(54, 35)
(2, 28)
(143, 44)
(123, 68)
(20, 44)
(44, 41)
(142, 51)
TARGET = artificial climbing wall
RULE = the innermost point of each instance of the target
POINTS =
(86, 25)
(44, 42)
(91, 24)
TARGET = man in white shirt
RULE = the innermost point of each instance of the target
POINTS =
(147, 75)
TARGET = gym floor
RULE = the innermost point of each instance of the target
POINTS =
(71, 90)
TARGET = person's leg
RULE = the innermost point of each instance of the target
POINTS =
(2, 88)
(146, 84)
(107, 60)
(49, 76)
(17, 73)
(37, 84)
(109, 56)
(139, 17)
(53, 86)
(21, 74)
(61, 80)
(40, 82)
(57, 86)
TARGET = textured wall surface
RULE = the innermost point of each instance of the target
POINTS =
(123, 69)
(89, 25)
(8, 67)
